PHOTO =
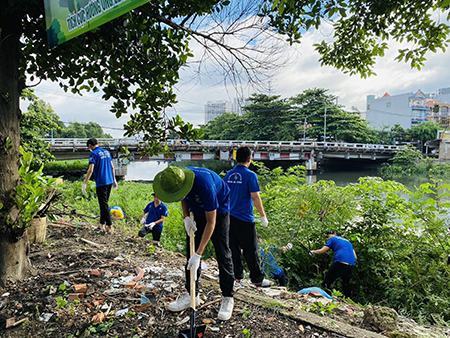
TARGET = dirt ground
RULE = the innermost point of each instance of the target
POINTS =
(85, 283)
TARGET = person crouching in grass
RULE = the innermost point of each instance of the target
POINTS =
(153, 219)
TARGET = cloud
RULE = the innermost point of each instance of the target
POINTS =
(302, 70)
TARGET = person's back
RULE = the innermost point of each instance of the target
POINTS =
(242, 182)
(101, 158)
(342, 250)
(208, 192)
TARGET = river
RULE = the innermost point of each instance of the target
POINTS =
(146, 171)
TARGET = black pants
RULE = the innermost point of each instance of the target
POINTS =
(339, 270)
(220, 240)
(243, 236)
(103, 193)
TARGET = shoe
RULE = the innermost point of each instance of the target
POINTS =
(182, 303)
(226, 308)
(238, 284)
(264, 284)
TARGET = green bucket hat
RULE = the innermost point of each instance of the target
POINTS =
(173, 183)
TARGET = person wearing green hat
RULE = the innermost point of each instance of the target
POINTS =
(202, 192)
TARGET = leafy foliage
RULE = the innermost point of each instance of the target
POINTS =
(82, 130)
(363, 29)
(410, 163)
(400, 237)
(37, 122)
(31, 191)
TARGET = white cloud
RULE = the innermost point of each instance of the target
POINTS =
(301, 72)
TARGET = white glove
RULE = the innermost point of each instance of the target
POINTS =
(189, 224)
(143, 219)
(264, 222)
(194, 264)
(83, 189)
(150, 226)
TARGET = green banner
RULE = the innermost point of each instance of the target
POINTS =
(66, 19)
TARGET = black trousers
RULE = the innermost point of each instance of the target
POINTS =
(243, 236)
(220, 240)
(339, 270)
(103, 193)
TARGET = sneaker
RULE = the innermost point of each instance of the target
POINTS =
(238, 284)
(264, 284)
(226, 308)
(182, 303)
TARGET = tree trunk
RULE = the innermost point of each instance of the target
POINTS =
(13, 261)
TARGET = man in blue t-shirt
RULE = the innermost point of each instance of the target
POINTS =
(244, 193)
(203, 193)
(344, 259)
(102, 168)
(153, 219)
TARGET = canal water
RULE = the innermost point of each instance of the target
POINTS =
(342, 175)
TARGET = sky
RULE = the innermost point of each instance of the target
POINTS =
(301, 70)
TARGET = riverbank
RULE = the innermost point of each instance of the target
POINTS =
(400, 235)
(88, 284)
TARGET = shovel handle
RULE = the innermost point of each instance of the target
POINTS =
(192, 273)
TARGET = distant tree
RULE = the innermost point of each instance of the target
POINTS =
(83, 130)
(267, 118)
(38, 121)
(228, 126)
(424, 132)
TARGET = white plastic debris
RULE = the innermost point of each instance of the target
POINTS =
(45, 317)
(122, 312)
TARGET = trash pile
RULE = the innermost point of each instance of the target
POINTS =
(87, 284)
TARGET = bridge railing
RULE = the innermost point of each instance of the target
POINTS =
(80, 143)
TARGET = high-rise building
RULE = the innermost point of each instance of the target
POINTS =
(216, 108)
(407, 109)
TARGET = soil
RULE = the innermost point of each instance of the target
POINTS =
(65, 260)
(85, 283)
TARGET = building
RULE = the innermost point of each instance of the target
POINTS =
(407, 109)
(217, 108)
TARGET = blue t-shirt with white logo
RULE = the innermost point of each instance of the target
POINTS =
(208, 193)
(103, 172)
(154, 213)
(342, 250)
(242, 182)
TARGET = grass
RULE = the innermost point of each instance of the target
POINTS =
(132, 197)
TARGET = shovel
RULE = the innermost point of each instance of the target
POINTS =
(194, 331)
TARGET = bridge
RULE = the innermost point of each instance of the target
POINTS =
(310, 152)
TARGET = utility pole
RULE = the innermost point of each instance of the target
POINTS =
(304, 130)
(325, 126)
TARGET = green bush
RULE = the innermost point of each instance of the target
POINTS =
(65, 166)
(400, 237)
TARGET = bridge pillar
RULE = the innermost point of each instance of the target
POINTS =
(311, 166)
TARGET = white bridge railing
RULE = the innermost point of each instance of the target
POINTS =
(61, 144)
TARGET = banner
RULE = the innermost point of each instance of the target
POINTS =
(66, 19)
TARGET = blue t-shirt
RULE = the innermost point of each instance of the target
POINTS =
(101, 159)
(155, 213)
(208, 193)
(242, 182)
(342, 250)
